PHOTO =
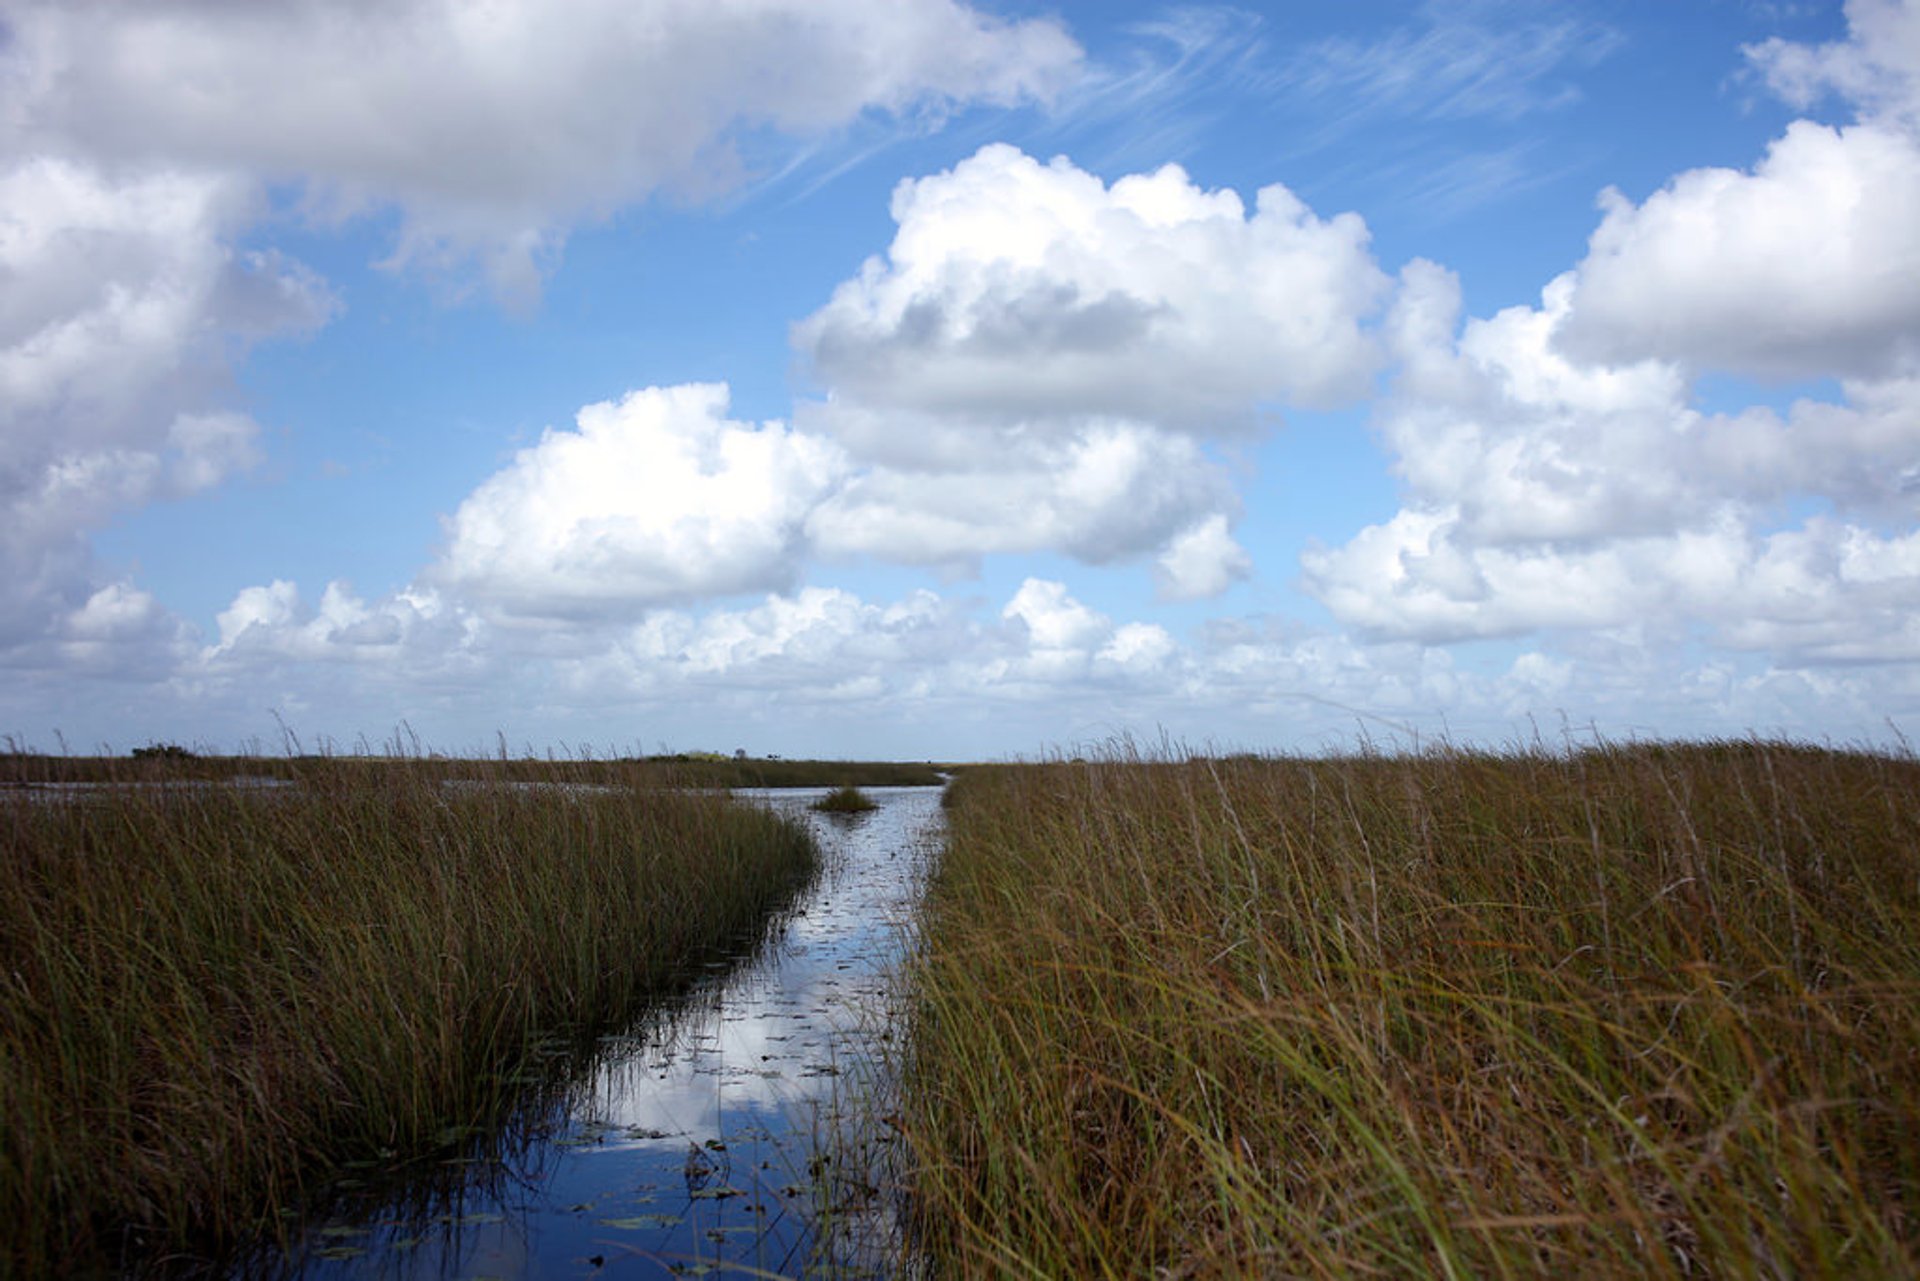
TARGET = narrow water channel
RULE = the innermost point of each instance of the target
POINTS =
(736, 1136)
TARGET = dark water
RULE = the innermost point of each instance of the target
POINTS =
(744, 1134)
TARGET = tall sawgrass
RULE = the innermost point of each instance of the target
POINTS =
(845, 799)
(210, 995)
(1640, 1010)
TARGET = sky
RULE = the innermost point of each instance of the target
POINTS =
(929, 379)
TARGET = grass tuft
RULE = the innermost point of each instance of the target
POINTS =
(845, 799)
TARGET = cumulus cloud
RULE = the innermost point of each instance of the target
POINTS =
(829, 650)
(1548, 494)
(814, 645)
(1109, 491)
(1876, 67)
(1043, 360)
(123, 633)
(657, 499)
(859, 675)
(1202, 561)
(274, 622)
(1559, 476)
(1807, 265)
(1031, 292)
(122, 310)
(143, 142)
(1053, 619)
(971, 405)
(527, 120)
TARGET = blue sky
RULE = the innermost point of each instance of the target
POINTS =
(917, 378)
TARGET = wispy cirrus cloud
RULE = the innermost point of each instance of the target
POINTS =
(1165, 89)
(1456, 62)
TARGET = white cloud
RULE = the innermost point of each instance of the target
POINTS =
(1808, 265)
(1037, 293)
(494, 127)
(1877, 67)
(1201, 561)
(1108, 491)
(661, 501)
(122, 633)
(142, 142)
(1138, 647)
(1055, 620)
(271, 624)
(821, 669)
(1548, 494)
(122, 308)
(809, 646)
(1558, 475)
(656, 500)
(1042, 361)
(1454, 65)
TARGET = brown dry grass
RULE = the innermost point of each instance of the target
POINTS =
(1649, 1010)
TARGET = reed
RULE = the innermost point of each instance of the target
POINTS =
(845, 799)
(1642, 1010)
(212, 996)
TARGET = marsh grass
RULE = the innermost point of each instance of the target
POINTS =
(845, 799)
(214, 999)
(1641, 1010)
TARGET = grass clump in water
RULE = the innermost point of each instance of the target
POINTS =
(845, 799)
(1644, 1010)
(210, 997)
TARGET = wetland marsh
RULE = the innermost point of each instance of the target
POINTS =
(738, 1133)
(1617, 1011)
